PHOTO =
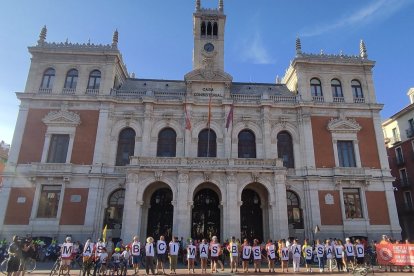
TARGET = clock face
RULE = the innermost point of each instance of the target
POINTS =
(208, 47)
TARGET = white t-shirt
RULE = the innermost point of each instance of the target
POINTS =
(320, 248)
(88, 249)
(234, 249)
(135, 248)
(285, 254)
(271, 251)
(103, 257)
(191, 251)
(349, 249)
(161, 247)
(295, 248)
(203, 247)
(66, 250)
(149, 250)
(338, 251)
(308, 252)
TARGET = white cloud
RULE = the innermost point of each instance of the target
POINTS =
(377, 10)
(254, 50)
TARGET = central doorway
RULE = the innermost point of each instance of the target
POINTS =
(205, 222)
(160, 214)
(251, 216)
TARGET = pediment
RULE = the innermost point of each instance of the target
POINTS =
(343, 125)
(208, 75)
(62, 118)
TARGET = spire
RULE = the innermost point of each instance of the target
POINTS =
(298, 46)
(115, 39)
(221, 5)
(363, 50)
(42, 36)
(198, 5)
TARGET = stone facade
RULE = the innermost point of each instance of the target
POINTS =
(274, 166)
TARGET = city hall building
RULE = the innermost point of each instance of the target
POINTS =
(196, 157)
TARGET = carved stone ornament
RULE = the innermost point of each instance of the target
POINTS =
(255, 177)
(207, 176)
(231, 178)
(183, 178)
(343, 125)
(61, 118)
(329, 199)
(157, 175)
(199, 75)
(132, 178)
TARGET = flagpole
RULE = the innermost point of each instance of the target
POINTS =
(208, 124)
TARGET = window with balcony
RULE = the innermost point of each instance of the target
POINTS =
(357, 89)
(404, 178)
(58, 148)
(336, 89)
(295, 216)
(285, 149)
(94, 79)
(247, 144)
(167, 141)
(352, 203)
(48, 79)
(408, 201)
(346, 154)
(316, 87)
(49, 201)
(126, 146)
(399, 156)
(71, 79)
(207, 145)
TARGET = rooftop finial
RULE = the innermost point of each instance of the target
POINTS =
(115, 39)
(298, 46)
(277, 79)
(42, 36)
(198, 5)
(363, 50)
(221, 5)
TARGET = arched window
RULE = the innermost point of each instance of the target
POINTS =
(336, 88)
(48, 79)
(115, 210)
(203, 28)
(247, 144)
(209, 28)
(357, 89)
(167, 141)
(316, 87)
(215, 29)
(207, 145)
(285, 149)
(294, 211)
(94, 79)
(126, 146)
(71, 79)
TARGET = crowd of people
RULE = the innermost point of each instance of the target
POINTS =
(101, 255)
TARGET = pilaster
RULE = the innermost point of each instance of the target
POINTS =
(232, 215)
(132, 216)
(279, 207)
(18, 134)
(101, 136)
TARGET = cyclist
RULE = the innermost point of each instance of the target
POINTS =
(14, 257)
(116, 260)
(66, 255)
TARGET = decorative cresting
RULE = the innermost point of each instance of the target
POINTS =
(42, 36)
(363, 50)
(343, 125)
(115, 39)
(62, 118)
(298, 47)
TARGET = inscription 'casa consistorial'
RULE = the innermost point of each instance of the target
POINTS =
(209, 92)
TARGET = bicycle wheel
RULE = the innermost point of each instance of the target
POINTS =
(55, 269)
(334, 264)
(3, 267)
(30, 265)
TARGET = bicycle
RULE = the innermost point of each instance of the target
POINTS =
(30, 265)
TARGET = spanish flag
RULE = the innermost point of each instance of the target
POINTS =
(104, 233)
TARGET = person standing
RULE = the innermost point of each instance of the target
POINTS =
(307, 251)
(174, 248)
(329, 250)
(257, 255)
(246, 251)
(87, 256)
(161, 254)
(135, 252)
(271, 255)
(284, 256)
(14, 257)
(149, 256)
(191, 254)
(296, 252)
(66, 255)
(320, 250)
(349, 254)
(110, 247)
(338, 248)
(360, 252)
(203, 248)
(233, 248)
(214, 253)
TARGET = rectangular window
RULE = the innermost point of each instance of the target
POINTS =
(49, 201)
(352, 203)
(346, 154)
(399, 156)
(404, 178)
(408, 201)
(58, 148)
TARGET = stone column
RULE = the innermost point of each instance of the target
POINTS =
(232, 215)
(101, 136)
(182, 208)
(267, 153)
(132, 217)
(306, 139)
(146, 131)
(279, 207)
(392, 211)
(94, 208)
(18, 134)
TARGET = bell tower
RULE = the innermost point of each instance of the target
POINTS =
(208, 31)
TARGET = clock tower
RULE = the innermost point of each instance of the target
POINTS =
(208, 31)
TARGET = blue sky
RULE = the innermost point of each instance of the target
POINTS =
(155, 38)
